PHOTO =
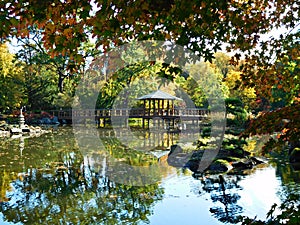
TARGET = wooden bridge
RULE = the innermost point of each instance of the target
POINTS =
(158, 107)
(105, 115)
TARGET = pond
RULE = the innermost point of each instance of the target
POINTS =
(51, 180)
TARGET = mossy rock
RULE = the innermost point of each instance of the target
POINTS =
(177, 157)
(257, 160)
(243, 164)
(296, 166)
(192, 165)
(232, 159)
(295, 155)
(222, 161)
(219, 166)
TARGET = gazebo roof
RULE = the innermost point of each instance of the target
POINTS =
(159, 95)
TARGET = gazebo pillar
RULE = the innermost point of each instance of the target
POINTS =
(149, 107)
(173, 110)
(144, 107)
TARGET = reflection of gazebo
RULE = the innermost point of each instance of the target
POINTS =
(159, 104)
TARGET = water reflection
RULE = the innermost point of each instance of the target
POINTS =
(51, 183)
(290, 177)
(71, 197)
(122, 163)
(144, 139)
(224, 194)
(48, 180)
(133, 158)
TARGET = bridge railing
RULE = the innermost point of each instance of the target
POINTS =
(133, 112)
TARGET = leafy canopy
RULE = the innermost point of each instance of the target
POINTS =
(11, 80)
(202, 26)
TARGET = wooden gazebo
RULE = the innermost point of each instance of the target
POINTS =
(159, 104)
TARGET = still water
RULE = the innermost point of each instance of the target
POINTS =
(51, 180)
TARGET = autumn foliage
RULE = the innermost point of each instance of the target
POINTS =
(202, 26)
(284, 123)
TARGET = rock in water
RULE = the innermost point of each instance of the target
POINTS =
(295, 155)
(15, 130)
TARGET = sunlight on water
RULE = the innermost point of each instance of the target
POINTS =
(260, 192)
(181, 205)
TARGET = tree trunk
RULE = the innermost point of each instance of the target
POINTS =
(61, 78)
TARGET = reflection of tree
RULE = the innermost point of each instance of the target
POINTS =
(222, 194)
(5, 179)
(57, 186)
(130, 156)
(77, 196)
(286, 171)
